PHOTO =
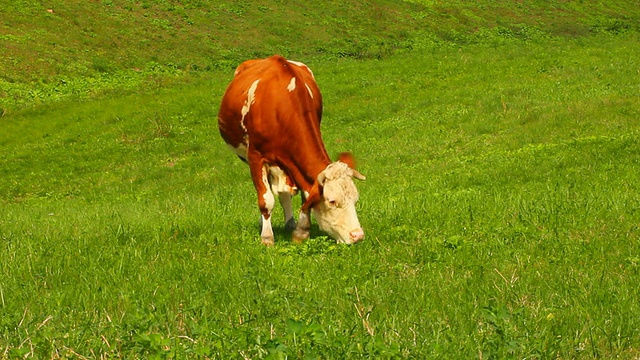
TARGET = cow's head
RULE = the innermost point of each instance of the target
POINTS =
(334, 203)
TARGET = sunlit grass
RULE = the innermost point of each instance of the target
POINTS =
(500, 207)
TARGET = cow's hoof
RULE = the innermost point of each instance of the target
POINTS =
(267, 240)
(299, 235)
(290, 225)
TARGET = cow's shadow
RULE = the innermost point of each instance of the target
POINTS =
(284, 232)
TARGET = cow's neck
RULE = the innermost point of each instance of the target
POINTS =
(307, 166)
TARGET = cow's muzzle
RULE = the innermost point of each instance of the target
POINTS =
(356, 235)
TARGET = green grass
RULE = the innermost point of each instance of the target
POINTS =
(79, 48)
(501, 206)
(501, 211)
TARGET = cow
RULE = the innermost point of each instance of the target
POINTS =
(270, 117)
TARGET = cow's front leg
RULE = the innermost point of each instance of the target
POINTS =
(266, 200)
(303, 228)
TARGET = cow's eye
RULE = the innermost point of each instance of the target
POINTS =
(332, 203)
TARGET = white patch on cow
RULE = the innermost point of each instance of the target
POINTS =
(241, 150)
(267, 231)
(287, 205)
(281, 187)
(278, 181)
(268, 197)
(292, 84)
(336, 212)
(309, 90)
(251, 98)
(302, 65)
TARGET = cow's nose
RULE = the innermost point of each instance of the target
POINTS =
(356, 235)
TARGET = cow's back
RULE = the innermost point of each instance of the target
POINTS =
(269, 103)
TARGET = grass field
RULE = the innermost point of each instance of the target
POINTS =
(501, 206)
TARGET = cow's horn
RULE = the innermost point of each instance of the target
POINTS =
(358, 175)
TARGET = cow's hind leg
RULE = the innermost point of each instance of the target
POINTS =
(282, 185)
(266, 200)
(287, 207)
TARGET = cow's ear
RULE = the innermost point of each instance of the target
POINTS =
(350, 160)
(347, 158)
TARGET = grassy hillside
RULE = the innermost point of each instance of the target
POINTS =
(502, 202)
(78, 38)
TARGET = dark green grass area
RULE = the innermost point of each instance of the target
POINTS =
(501, 210)
(61, 49)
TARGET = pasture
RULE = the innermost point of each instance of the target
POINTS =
(501, 211)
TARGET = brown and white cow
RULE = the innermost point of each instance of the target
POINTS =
(270, 116)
